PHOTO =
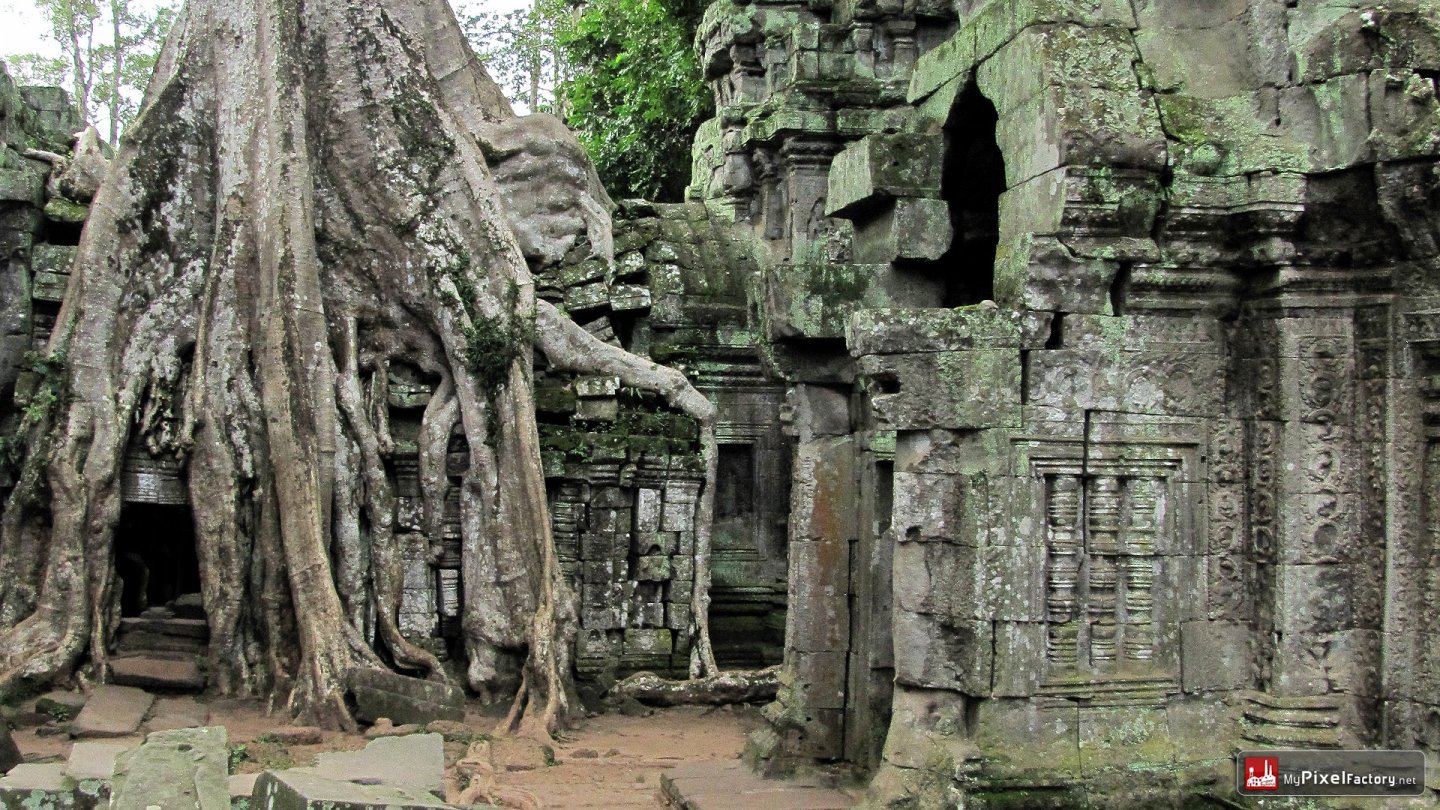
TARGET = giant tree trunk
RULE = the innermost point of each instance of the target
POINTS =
(303, 201)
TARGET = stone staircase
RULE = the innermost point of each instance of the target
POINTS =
(163, 648)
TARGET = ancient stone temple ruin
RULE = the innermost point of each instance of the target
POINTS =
(1075, 364)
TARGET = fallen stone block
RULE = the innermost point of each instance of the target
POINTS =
(242, 787)
(293, 790)
(416, 760)
(112, 711)
(297, 735)
(37, 787)
(91, 770)
(185, 769)
(94, 760)
(404, 700)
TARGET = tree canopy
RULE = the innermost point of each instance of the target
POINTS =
(621, 73)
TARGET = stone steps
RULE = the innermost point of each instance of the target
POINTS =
(160, 672)
(112, 711)
(162, 648)
(145, 641)
(173, 626)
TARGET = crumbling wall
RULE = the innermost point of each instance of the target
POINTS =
(1129, 303)
(38, 232)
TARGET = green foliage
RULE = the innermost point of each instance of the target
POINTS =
(491, 344)
(49, 370)
(636, 96)
(60, 712)
(623, 75)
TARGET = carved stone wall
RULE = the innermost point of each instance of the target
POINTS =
(1129, 305)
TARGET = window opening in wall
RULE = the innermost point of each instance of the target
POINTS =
(972, 182)
(734, 481)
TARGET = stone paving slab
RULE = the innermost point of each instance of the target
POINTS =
(294, 790)
(729, 785)
(94, 760)
(31, 786)
(112, 711)
(171, 713)
(242, 787)
(414, 760)
(402, 699)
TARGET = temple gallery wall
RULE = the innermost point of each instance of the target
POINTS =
(1075, 366)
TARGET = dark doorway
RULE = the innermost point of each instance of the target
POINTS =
(747, 594)
(155, 556)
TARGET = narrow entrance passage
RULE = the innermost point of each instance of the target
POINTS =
(155, 556)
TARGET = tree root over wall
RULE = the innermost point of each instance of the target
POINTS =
(303, 202)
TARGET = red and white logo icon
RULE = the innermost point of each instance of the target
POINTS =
(1260, 773)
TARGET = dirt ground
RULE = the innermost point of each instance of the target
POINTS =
(610, 761)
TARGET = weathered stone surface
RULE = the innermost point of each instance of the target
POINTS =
(913, 229)
(112, 711)
(878, 168)
(292, 790)
(415, 761)
(37, 787)
(404, 700)
(175, 770)
(94, 760)
(968, 389)
(154, 672)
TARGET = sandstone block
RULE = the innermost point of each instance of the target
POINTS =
(289, 790)
(403, 700)
(112, 711)
(877, 168)
(187, 769)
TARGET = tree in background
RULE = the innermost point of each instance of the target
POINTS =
(623, 75)
(108, 50)
(635, 95)
(520, 50)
